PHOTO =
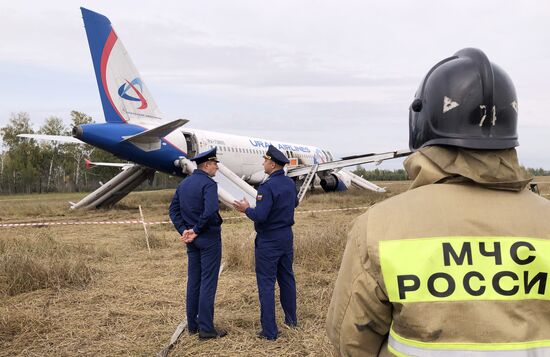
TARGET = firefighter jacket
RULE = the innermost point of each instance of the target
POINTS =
(457, 265)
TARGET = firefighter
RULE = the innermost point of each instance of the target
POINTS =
(457, 265)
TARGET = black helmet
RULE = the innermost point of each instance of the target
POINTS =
(465, 101)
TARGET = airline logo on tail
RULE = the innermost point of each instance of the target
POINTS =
(126, 91)
(124, 95)
(125, 87)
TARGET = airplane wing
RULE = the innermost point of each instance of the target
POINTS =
(150, 140)
(58, 138)
(347, 161)
(331, 171)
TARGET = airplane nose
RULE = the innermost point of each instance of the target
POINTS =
(77, 131)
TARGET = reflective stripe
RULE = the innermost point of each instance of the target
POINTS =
(405, 347)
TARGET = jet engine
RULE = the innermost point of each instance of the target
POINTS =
(336, 181)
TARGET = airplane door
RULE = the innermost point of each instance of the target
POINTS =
(290, 154)
(192, 144)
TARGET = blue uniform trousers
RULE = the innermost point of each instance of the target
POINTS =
(274, 255)
(204, 258)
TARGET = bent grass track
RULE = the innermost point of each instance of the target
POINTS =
(94, 290)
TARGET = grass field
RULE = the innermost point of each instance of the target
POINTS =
(95, 289)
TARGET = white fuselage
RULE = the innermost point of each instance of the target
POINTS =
(242, 154)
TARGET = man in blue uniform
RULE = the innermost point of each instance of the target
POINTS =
(273, 219)
(194, 211)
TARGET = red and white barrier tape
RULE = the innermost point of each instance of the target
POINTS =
(47, 224)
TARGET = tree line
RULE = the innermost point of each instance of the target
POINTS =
(30, 166)
(381, 175)
(401, 174)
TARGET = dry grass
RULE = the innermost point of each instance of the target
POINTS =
(55, 207)
(320, 200)
(40, 261)
(131, 301)
(319, 247)
(157, 240)
(238, 245)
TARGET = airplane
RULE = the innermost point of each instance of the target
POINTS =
(136, 131)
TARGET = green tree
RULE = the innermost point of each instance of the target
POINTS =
(381, 175)
(19, 123)
(52, 150)
(21, 156)
(77, 153)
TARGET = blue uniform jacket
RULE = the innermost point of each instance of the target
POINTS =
(195, 205)
(275, 203)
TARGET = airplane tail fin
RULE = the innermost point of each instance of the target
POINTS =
(124, 96)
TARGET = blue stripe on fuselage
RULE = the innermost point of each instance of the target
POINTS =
(109, 137)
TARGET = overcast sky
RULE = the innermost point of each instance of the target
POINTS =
(338, 74)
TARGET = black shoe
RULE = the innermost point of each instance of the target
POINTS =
(193, 331)
(292, 326)
(214, 334)
(264, 337)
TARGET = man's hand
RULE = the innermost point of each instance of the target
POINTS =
(188, 236)
(241, 205)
